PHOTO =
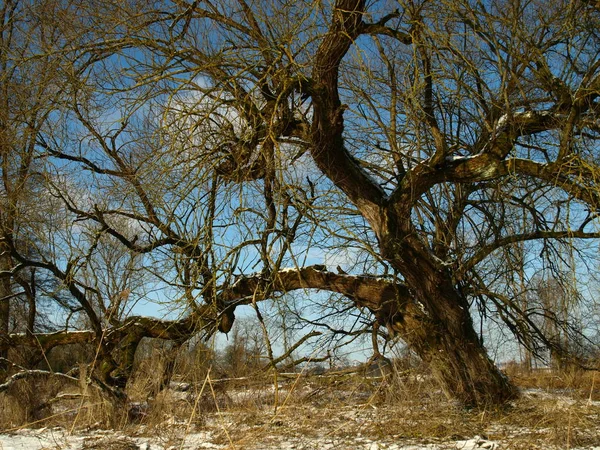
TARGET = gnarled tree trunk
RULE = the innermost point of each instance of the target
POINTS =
(456, 356)
(442, 331)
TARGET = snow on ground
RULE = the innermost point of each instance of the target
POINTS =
(338, 418)
(61, 439)
(58, 438)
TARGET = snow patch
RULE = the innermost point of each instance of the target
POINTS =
(476, 443)
(459, 158)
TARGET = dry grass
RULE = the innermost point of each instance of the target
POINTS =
(579, 383)
(557, 410)
(413, 409)
(53, 401)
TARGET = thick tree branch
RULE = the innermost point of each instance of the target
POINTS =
(47, 341)
(386, 299)
(328, 151)
(489, 160)
(576, 177)
(380, 28)
(389, 301)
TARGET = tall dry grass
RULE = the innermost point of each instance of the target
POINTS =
(558, 408)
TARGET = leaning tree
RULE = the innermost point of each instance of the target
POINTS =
(222, 142)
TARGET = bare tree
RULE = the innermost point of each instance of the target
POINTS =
(29, 92)
(222, 144)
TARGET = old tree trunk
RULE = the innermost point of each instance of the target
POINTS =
(443, 333)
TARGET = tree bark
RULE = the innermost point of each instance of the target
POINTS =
(443, 334)
(456, 356)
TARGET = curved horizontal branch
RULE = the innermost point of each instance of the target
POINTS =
(574, 176)
(388, 300)
(486, 250)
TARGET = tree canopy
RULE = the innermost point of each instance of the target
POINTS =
(217, 154)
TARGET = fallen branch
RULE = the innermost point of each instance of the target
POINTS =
(23, 374)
